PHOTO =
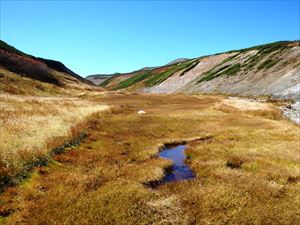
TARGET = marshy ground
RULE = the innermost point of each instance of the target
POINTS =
(247, 167)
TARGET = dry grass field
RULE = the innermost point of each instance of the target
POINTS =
(247, 172)
(30, 126)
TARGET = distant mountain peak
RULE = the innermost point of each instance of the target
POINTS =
(177, 61)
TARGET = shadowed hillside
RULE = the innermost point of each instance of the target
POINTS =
(21, 73)
(43, 106)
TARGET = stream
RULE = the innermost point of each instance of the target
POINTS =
(179, 170)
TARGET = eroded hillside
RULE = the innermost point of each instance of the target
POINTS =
(265, 70)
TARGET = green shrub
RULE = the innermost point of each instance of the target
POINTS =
(271, 47)
(160, 77)
(106, 82)
(231, 57)
(213, 73)
(188, 68)
(133, 80)
(232, 70)
(268, 64)
(229, 70)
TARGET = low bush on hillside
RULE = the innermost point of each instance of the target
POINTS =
(279, 45)
(133, 80)
(251, 62)
(190, 67)
(160, 77)
(272, 47)
(232, 70)
(26, 66)
(154, 76)
(268, 64)
(270, 51)
(231, 58)
(106, 82)
(211, 74)
(229, 70)
(11, 49)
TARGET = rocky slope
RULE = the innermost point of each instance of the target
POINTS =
(266, 70)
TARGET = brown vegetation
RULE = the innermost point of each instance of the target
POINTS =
(31, 126)
(101, 181)
(27, 66)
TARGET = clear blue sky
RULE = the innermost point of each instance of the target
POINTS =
(111, 36)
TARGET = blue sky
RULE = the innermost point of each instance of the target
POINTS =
(121, 36)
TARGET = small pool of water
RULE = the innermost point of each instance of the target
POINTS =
(179, 170)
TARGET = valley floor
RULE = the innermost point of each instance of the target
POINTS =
(247, 171)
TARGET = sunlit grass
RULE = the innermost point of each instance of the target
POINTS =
(101, 181)
(28, 125)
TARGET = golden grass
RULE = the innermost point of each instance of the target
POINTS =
(237, 105)
(101, 181)
(29, 124)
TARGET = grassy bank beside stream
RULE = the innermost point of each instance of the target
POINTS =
(246, 173)
(31, 126)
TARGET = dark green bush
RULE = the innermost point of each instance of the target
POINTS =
(188, 68)
(268, 64)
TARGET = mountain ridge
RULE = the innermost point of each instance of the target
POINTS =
(21, 73)
(271, 69)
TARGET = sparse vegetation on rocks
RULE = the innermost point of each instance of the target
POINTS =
(160, 77)
(268, 64)
(133, 80)
(229, 70)
(188, 68)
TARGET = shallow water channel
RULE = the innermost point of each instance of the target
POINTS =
(179, 170)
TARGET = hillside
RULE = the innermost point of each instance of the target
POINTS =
(21, 73)
(265, 70)
(98, 78)
(43, 105)
(177, 61)
(71, 153)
